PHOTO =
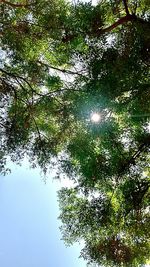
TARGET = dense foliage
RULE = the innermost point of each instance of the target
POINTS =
(60, 63)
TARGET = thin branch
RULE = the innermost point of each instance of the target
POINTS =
(141, 149)
(16, 77)
(126, 6)
(12, 74)
(131, 161)
(39, 135)
(51, 94)
(58, 69)
(3, 124)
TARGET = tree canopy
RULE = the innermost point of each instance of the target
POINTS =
(60, 63)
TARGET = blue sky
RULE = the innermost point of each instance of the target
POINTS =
(29, 229)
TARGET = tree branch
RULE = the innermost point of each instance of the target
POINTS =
(122, 21)
(119, 22)
(126, 6)
(128, 18)
(16, 77)
(49, 94)
(131, 161)
(58, 69)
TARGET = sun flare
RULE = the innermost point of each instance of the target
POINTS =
(95, 117)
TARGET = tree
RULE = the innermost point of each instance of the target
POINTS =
(113, 225)
(60, 63)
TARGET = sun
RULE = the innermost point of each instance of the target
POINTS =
(95, 117)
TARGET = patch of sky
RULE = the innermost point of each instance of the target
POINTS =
(29, 228)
